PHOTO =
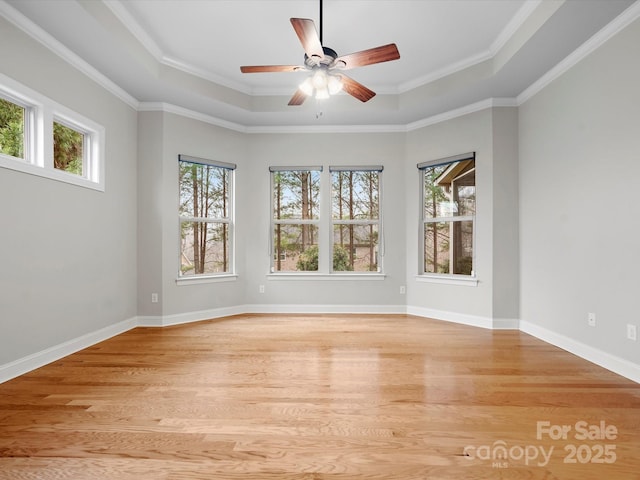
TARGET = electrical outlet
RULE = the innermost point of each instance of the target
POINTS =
(631, 332)
(403, 290)
(154, 298)
(591, 319)
(261, 288)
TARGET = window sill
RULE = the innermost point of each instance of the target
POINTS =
(326, 276)
(20, 165)
(448, 279)
(196, 280)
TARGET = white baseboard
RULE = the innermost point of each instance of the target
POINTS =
(26, 364)
(319, 309)
(454, 317)
(506, 324)
(615, 364)
(189, 317)
(52, 354)
(466, 319)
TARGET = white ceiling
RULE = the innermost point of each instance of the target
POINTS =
(187, 53)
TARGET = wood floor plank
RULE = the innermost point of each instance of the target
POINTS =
(334, 397)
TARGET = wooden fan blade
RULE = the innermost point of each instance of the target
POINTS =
(385, 53)
(356, 89)
(271, 68)
(298, 98)
(308, 35)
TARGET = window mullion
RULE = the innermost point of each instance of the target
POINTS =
(461, 218)
(204, 219)
(325, 228)
(373, 221)
(293, 221)
(45, 146)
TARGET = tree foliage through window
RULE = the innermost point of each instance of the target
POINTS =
(11, 129)
(204, 218)
(68, 149)
(295, 218)
(449, 209)
(356, 217)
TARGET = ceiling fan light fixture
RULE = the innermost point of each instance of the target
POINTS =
(334, 84)
(307, 87)
(319, 79)
(321, 84)
(322, 93)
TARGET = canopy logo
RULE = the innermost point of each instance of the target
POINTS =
(591, 449)
(501, 454)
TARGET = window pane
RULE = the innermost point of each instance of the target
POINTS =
(11, 129)
(204, 248)
(464, 193)
(447, 244)
(355, 248)
(449, 190)
(295, 248)
(295, 195)
(204, 190)
(68, 147)
(355, 195)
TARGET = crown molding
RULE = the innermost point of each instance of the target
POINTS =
(185, 112)
(290, 129)
(38, 34)
(140, 34)
(161, 57)
(514, 25)
(445, 72)
(459, 112)
(328, 129)
(505, 35)
(610, 30)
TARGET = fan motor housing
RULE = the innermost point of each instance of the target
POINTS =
(329, 56)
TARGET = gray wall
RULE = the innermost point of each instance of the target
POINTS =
(506, 247)
(75, 260)
(579, 229)
(325, 149)
(163, 136)
(68, 254)
(471, 133)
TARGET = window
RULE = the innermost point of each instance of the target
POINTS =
(41, 137)
(295, 218)
(68, 149)
(326, 224)
(12, 127)
(355, 219)
(206, 216)
(448, 215)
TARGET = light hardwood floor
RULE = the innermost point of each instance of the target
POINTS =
(319, 397)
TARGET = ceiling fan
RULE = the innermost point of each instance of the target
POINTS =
(325, 66)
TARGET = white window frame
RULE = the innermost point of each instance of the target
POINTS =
(378, 222)
(228, 220)
(324, 224)
(90, 165)
(273, 221)
(40, 113)
(446, 278)
(28, 143)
